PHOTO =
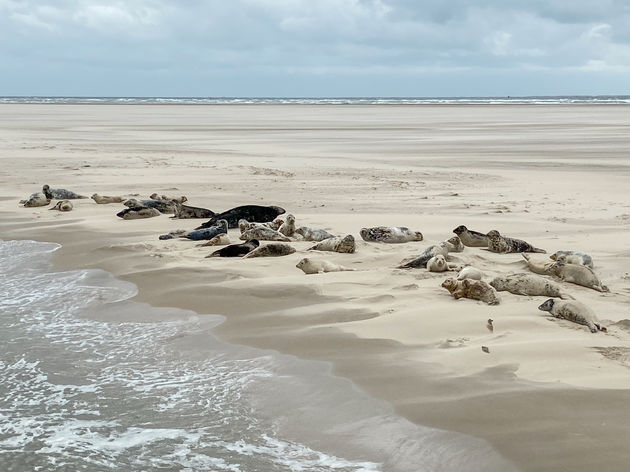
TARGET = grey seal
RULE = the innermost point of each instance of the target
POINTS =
(471, 238)
(263, 234)
(537, 267)
(137, 212)
(219, 240)
(573, 257)
(288, 227)
(244, 225)
(207, 233)
(473, 289)
(503, 244)
(155, 196)
(313, 266)
(258, 213)
(574, 311)
(236, 250)
(470, 273)
(186, 212)
(271, 250)
(313, 234)
(390, 234)
(159, 205)
(454, 244)
(579, 275)
(338, 244)
(37, 199)
(425, 256)
(438, 264)
(528, 284)
(60, 193)
(63, 205)
(104, 199)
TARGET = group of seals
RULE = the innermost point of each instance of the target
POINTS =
(257, 213)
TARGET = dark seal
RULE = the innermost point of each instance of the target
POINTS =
(236, 250)
(60, 193)
(210, 232)
(257, 213)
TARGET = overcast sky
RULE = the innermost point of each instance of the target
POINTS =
(314, 48)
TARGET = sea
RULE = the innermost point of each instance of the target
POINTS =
(531, 100)
(93, 381)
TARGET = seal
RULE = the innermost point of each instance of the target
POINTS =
(470, 273)
(159, 205)
(312, 266)
(579, 275)
(337, 244)
(63, 205)
(207, 233)
(503, 244)
(137, 212)
(424, 257)
(271, 250)
(528, 284)
(454, 244)
(474, 289)
(313, 234)
(288, 227)
(219, 240)
(262, 214)
(36, 200)
(471, 238)
(537, 267)
(244, 225)
(574, 311)
(60, 193)
(438, 264)
(236, 250)
(390, 234)
(104, 199)
(263, 234)
(155, 196)
(187, 212)
(573, 257)
(172, 234)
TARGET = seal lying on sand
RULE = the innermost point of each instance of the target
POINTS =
(313, 234)
(454, 244)
(138, 212)
(503, 244)
(422, 259)
(159, 205)
(155, 196)
(572, 310)
(185, 212)
(263, 234)
(63, 205)
(104, 199)
(244, 225)
(271, 250)
(438, 264)
(471, 238)
(60, 193)
(36, 200)
(207, 233)
(236, 250)
(344, 245)
(573, 257)
(470, 273)
(219, 240)
(261, 214)
(538, 267)
(312, 266)
(528, 284)
(474, 289)
(579, 275)
(390, 234)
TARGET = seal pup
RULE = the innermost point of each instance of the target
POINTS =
(454, 244)
(574, 311)
(471, 238)
(313, 234)
(155, 196)
(207, 233)
(236, 250)
(422, 259)
(438, 264)
(288, 227)
(63, 205)
(390, 234)
(186, 212)
(474, 289)
(104, 199)
(159, 205)
(528, 284)
(37, 199)
(336, 244)
(503, 244)
(137, 212)
(579, 275)
(312, 266)
(263, 233)
(60, 193)
(262, 214)
(271, 250)
(219, 240)
(573, 257)
(470, 273)
(537, 267)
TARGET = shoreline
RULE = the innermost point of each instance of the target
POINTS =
(365, 322)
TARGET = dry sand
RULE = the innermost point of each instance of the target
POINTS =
(548, 396)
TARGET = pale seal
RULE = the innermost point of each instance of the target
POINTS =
(36, 200)
(138, 212)
(470, 273)
(424, 257)
(185, 212)
(236, 250)
(503, 244)
(574, 311)
(271, 250)
(159, 205)
(312, 266)
(579, 275)
(573, 257)
(63, 205)
(528, 284)
(474, 289)
(313, 234)
(219, 240)
(104, 199)
(207, 233)
(263, 234)
(454, 244)
(471, 238)
(438, 264)
(155, 196)
(337, 244)
(244, 225)
(288, 227)
(60, 193)
(390, 234)
(537, 267)
(261, 214)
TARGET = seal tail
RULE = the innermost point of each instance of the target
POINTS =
(539, 251)
(566, 296)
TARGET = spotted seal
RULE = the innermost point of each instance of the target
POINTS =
(424, 257)
(454, 244)
(471, 238)
(288, 227)
(207, 233)
(137, 212)
(187, 212)
(574, 311)
(573, 257)
(474, 289)
(579, 275)
(37, 199)
(337, 244)
(236, 250)
(313, 234)
(63, 205)
(537, 267)
(219, 240)
(271, 250)
(528, 284)
(159, 205)
(503, 244)
(60, 193)
(155, 196)
(390, 234)
(313, 266)
(263, 234)
(104, 199)
(244, 225)
(261, 214)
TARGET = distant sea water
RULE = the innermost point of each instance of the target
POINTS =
(535, 100)
(90, 380)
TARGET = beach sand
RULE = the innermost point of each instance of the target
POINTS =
(549, 395)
